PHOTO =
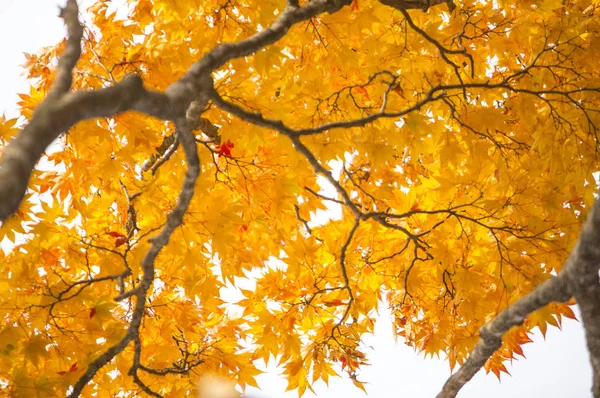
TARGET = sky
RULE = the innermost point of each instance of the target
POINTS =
(557, 366)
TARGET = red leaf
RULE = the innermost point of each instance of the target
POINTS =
(344, 362)
(225, 148)
(120, 241)
(115, 234)
(92, 313)
(73, 368)
(62, 373)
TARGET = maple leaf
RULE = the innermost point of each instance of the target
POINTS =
(446, 180)
(120, 239)
(225, 148)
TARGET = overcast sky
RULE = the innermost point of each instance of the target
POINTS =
(556, 367)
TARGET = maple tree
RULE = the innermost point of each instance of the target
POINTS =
(451, 148)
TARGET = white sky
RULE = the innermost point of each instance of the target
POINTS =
(557, 367)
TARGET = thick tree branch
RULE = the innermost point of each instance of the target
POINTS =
(584, 274)
(66, 63)
(588, 299)
(52, 117)
(417, 4)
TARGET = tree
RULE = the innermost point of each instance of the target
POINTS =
(455, 142)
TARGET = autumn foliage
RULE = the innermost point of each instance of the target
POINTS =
(439, 163)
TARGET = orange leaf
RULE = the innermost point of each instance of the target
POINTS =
(334, 303)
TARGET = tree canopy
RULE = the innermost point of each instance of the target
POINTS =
(223, 181)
